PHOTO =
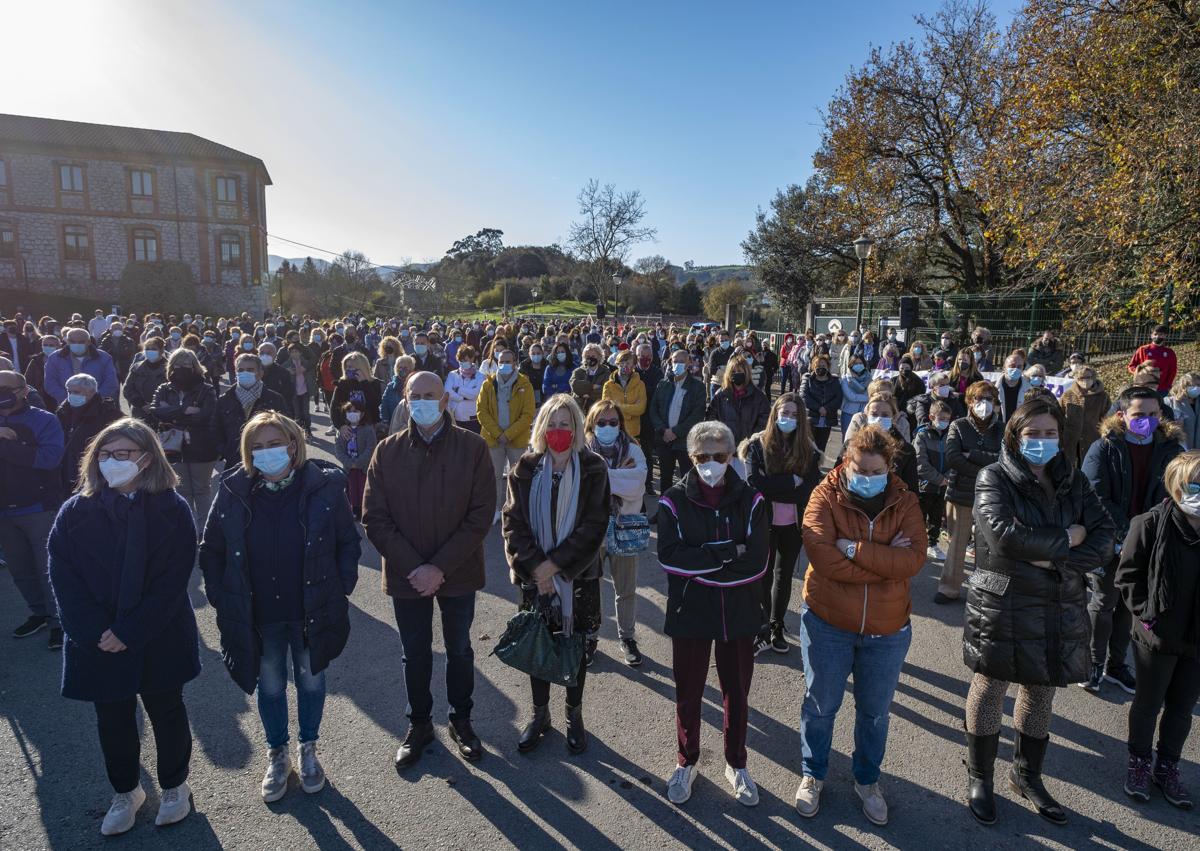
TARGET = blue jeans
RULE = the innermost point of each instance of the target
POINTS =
(414, 619)
(277, 638)
(831, 655)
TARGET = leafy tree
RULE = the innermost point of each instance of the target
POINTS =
(720, 296)
(689, 300)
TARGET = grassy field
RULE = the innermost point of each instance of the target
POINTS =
(1115, 375)
(566, 307)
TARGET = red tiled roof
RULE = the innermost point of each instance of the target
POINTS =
(55, 133)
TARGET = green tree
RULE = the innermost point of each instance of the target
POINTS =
(689, 301)
(722, 295)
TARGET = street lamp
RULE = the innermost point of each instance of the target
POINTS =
(25, 267)
(862, 250)
(616, 279)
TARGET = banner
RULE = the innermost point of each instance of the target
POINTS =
(1054, 384)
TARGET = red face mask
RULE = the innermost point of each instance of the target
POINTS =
(559, 439)
(644, 362)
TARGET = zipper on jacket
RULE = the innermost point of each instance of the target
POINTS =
(724, 621)
(862, 628)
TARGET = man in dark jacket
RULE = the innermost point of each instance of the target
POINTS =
(426, 360)
(1047, 352)
(83, 416)
(278, 377)
(1125, 466)
(651, 376)
(35, 370)
(31, 452)
(677, 405)
(239, 403)
(429, 502)
(120, 348)
(16, 346)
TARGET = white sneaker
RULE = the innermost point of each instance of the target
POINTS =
(874, 806)
(275, 781)
(495, 518)
(931, 552)
(808, 796)
(744, 790)
(679, 787)
(312, 775)
(174, 805)
(122, 812)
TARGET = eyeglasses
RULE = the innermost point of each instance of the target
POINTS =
(608, 423)
(118, 454)
(719, 457)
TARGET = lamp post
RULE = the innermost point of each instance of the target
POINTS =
(25, 268)
(616, 279)
(862, 250)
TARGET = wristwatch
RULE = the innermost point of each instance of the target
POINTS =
(851, 550)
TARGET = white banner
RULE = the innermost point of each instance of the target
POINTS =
(1056, 385)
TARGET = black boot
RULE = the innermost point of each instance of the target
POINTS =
(1026, 777)
(981, 762)
(531, 736)
(576, 735)
(414, 744)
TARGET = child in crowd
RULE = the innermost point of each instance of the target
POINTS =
(354, 447)
(930, 445)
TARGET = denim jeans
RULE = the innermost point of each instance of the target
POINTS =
(414, 619)
(277, 638)
(831, 655)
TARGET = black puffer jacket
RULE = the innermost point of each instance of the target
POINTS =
(712, 592)
(825, 394)
(968, 450)
(744, 416)
(1028, 624)
(170, 403)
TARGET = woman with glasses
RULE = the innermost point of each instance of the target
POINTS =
(713, 544)
(121, 553)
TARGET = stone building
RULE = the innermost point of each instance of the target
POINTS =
(78, 202)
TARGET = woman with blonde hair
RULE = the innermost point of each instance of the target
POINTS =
(739, 404)
(1085, 403)
(587, 382)
(1184, 402)
(555, 519)
(880, 387)
(385, 364)
(121, 553)
(357, 384)
(280, 557)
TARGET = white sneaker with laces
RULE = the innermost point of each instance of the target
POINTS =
(744, 790)
(174, 805)
(679, 787)
(122, 812)
(808, 796)
(312, 775)
(279, 768)
(874, 806)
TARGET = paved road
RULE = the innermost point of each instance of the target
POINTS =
(53, 791)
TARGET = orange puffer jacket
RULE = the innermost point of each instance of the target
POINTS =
(869, 594)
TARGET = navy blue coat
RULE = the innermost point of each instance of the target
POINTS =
(331, 551)
(136, 585)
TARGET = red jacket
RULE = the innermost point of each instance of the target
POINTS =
(1161, 356)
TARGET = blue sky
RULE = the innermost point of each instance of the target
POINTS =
(395, 128)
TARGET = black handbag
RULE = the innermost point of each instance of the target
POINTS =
(529, 646)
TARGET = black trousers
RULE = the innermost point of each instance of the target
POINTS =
(667, 459)
(116, 722)
(541, 688)
(1167, 683)
(933, 506)
(1110, 618)
(821, 434)
(785, 543)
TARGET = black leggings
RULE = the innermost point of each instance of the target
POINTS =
(116, 722)
(785, 543)
(1168, 683)
(541, 688)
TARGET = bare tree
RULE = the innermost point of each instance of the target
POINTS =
(610, 225)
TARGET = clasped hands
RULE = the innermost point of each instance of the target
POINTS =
(426, 579)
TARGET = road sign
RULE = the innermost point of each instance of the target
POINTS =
(835, 325)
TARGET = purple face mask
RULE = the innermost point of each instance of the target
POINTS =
(1142, 426)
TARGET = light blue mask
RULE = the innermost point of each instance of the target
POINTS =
(425, 411)
(678, 368)
(535, 359)
(607, 434)
(247, 379)
(787, 425)
(420, 348)
(49, 350)
(1036, 380)
(1012, 373)
(152, 355)
(76, 400)
(884, 423)
(866, 486)
(1038, 451)
(270, 461)
(506, 369)
(78, 349)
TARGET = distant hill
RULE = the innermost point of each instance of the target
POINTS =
(275, 261)
(706, 276)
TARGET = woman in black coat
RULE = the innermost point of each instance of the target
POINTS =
(1159, 577)
(1041, 528)
(739, 404)
(280, 557)
(186, 403)
(822, 395)
(144, 378)
(121, 552)
(358, 385)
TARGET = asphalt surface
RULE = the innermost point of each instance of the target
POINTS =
(53, 790)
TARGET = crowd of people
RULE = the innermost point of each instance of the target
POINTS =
(1079, 508)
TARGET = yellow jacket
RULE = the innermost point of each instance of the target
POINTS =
(631, 399)
(521, 408)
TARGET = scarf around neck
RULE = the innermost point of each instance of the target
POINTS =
(550, 534)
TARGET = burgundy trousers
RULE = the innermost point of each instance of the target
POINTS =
(735, 666)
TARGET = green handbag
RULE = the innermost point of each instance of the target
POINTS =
(528, 645)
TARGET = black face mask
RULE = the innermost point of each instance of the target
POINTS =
(591, 361)
(8, 400)
(822, 372)
(739, 378)
(185, 379)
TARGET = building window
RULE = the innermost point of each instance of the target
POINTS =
(145, 245)
(70, 178)
(3, 174)
(75, 243)
(8, 243)
(227, 190)
(141, 183)
(231, 252)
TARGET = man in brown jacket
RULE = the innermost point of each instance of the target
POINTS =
(428, 506)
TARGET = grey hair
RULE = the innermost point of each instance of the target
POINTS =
(938, 376)
(183, 357)
(713, 430)
(82, 379)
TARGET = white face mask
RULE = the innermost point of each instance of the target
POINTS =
(118, 473)
(983, 409)
(1190, 504)
(712, 473)
(353, 417)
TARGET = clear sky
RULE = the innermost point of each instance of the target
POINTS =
(395, 128)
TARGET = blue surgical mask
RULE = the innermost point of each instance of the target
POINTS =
(49, 350)
(1039, 451)
(247, 379)
(1012, 373)
(506, 369)
(787, 425)
(884, 423)
(76, 400)
(1193, 391)
(152, 355)
(678, 369)
(725, 344)
(1036, 380)
(607, 434)
(535, 359)
(270, 461)
(866, 486)
(420, 348)
(426, 412)
(858, 368)
(561, 357)
(78, 348)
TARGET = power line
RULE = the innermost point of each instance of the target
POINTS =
(269, 235)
